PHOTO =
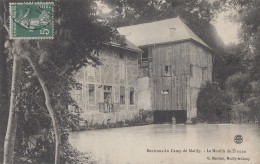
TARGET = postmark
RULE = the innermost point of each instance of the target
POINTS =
(31, 20)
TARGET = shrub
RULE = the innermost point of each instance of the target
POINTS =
(213, 104)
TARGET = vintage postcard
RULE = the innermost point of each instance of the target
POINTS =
(129, 82)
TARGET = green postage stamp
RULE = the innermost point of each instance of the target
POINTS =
(32, 20)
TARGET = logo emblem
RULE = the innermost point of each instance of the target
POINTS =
(238, 139)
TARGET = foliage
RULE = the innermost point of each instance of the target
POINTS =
(79, 37)
(213, 104)
(238, 86)
(40, 149)
(240, 113)
(229, 63)
(244, 84)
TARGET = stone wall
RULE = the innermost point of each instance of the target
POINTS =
(144, 93)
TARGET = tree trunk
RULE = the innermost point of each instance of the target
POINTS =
(13, 115)
(49, 107)
(3, 96)
(3, 87)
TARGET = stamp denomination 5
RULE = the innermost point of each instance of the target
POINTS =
(32, 20)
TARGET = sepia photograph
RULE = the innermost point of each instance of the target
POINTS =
(129, 81)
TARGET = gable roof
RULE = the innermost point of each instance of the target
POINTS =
(168, 30)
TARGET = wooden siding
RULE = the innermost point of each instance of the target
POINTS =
(190, 67)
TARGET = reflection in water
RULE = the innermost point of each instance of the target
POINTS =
(129, 145)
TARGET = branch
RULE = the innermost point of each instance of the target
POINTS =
(41, 108)
(6, 28)
(73, 124)
(5, 19)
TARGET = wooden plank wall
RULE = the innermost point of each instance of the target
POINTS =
(183, 88)
(201, 61)
(177, 56)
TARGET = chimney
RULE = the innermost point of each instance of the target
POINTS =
(172, 31)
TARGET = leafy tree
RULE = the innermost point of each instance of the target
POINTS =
(238, 86)
(213, 104)
(47, 72)
(247, 14)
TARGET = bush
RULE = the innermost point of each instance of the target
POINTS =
(213, 104)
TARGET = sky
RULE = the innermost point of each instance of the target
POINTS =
(227, 30)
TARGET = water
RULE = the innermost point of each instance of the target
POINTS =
(132, 145)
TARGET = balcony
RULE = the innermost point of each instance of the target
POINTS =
(113, 107)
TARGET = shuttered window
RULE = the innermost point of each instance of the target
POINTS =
(122, 95)
(91, 93)
(131, 96)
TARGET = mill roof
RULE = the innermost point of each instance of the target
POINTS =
(163, 31)
(128, 46)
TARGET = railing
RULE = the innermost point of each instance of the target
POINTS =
(107, 108)
(115, 107)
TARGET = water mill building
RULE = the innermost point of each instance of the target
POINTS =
(161, 69)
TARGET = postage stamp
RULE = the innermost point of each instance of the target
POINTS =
(31, 20)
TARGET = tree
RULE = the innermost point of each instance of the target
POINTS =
(13, 114)
(247, 14)
(3, 79)
(48, 106)
(50, 67)
(213, 104)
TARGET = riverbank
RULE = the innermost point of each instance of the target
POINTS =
(137, 121)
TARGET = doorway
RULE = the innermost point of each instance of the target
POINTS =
(165, 116)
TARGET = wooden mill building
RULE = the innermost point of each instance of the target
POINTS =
(173, 67)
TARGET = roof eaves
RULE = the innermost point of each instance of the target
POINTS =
(177, 41)
(126, 48)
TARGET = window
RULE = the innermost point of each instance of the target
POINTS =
(132, 93)
(121, 55)
(191, 70)
(91, 93)
(167, 70)
(122, 95)
(107, 88)
(108, 94)
(165, 92)
(145, 55)
(204, 74)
